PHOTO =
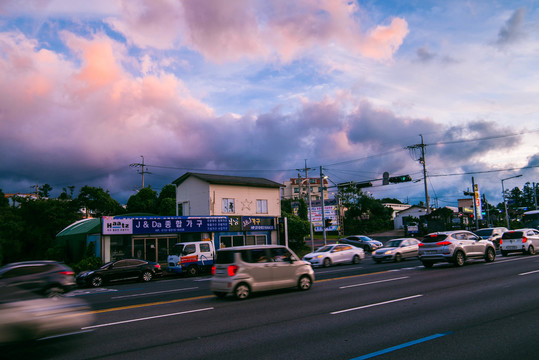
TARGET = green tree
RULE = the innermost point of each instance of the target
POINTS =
(166, 202)
(98, 202)
(67, 193)
(145, 201)
(45, 190)
(297, 230)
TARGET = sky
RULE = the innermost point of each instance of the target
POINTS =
(263, 88)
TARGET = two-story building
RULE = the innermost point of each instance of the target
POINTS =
(252, 205)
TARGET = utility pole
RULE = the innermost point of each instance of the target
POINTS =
(323, 205)
(424, 163)
(306, 169)
(535, 195)
(143, 169)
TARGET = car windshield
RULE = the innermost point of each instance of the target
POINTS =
(177, 249)
(484, 232)
(106, 265)
(513, 235)
(394, 243)
(324, 249)
(434, 238)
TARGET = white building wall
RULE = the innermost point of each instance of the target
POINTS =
(196, 193)
(414, 212)
(244, 200)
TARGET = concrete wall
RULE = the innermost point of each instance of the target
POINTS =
(244, 200)
(196, 193)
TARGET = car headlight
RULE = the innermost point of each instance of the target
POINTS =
(318, 256)
(388, 252)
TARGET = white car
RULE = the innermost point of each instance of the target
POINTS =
(335, 254)
(521, 240)
(397, 250)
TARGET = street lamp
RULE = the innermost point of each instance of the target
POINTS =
(505, 200)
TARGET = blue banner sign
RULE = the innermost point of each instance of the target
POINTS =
(163, 224)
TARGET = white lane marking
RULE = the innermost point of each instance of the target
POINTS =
(506, 260)
(529, 272)
(152, 293)
(146, 318)
(374, 282)
(376, 304)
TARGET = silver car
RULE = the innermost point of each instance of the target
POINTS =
(335, 254)
(454, 247)
(397, 250)
(243, 270)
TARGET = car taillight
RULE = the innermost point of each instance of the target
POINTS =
(524, 239)
(68, 273)
(213, 270)
(420, 244)
(501, 241)
(232, 270)
(443, 243)
(157, 266)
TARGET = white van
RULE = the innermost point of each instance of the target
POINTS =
(191, 257)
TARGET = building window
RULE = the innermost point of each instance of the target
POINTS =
(262, 206)
(228, 206)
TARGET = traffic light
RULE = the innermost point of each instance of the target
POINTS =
(363, 184)
(400, 179)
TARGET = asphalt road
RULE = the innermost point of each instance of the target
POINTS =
(387, 311)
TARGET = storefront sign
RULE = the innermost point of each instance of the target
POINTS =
(254, 223)
(163, 224)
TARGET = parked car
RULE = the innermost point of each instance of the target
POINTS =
(362, 241)
(335, 254)
(243, 270)
(120, 270)
(43, 278)
(454, 247)
(397, 250)
(493, 234)
(521, 240)
(27, 320)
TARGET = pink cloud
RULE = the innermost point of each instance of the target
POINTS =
(230, 30)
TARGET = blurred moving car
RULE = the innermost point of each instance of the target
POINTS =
(397, 250)
(120, 270)
(493, 234)
(242, 270)
(42, 277)
(521, 240)
(42, 317)
(335, 254)
(362, 241)
(454, 247)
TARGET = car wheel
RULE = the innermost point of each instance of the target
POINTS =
(219, 294)
(427, 264)
(398, 257)
(531, 250)
(356, 259)
(54, 292)
(97, 281)
(192, 270)
(459, 259)
(504, 253)
(304, 283)
(146, 276)
(490, 255)
(242, 291)
(327, 262)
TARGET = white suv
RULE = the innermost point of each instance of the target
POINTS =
(454, 247)
(521, 240)
(244, 269)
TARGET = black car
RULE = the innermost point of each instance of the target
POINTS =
(126, 269)
(362, 241)
(35, 278)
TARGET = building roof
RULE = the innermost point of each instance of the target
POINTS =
(229, 180)
(85, 226)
